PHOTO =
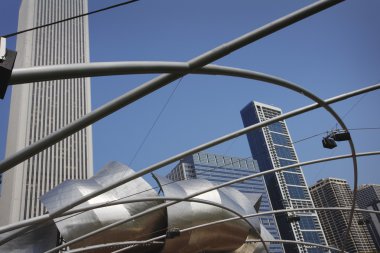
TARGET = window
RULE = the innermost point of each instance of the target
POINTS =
(307, 222)
(286, 163)
(284, 152)
(316, 250)
(311, 236)
(276, 127)
(296, 192)
(291, 178)
(280, 139)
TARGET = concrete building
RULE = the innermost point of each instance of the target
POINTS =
(272, 147)
(369, 198)
(333, 192)
(221, 169)
(38, 109)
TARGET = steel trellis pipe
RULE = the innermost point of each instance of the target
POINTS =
(305, 109)
(196, 194)
(335, 99)
(164, 79)
(239, 216)
(229, 47)
(219, 70)
(260, 76)
(152, 240)
(284, 84)
(46, 217)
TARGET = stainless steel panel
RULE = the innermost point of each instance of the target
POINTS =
(224, 237)
(140, 229)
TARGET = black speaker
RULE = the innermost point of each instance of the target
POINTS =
(6, 67)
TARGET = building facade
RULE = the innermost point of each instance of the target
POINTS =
(38, 109)
(272, 147)
(221, 169)
(333, 192)
(368, 197)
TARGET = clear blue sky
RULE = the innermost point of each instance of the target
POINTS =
(330, 53)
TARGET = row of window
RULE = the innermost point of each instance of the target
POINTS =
(294, 179)
(285, 152)
(297, 192)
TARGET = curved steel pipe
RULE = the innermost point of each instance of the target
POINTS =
(239, 216)
(44, 218)
(231, 219)
(201, 61)
(201, 192)
(116, 244)
(215, 70)
(242, 131)
(164, 79)
(231, 72)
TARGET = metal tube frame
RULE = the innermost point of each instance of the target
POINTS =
(46, 217)
(195, 63)
(198, 193)
(165, 79)
(307, 108)
(339, 98)
(228, 220)
(299, 111)
(321, 102)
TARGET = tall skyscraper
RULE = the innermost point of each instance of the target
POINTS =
(369, 198)
(38, 109)
(332, 192)
(272, 147)
(221, 169)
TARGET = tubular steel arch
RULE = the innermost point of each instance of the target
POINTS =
(47, 217)
(293, 87)
(307, 108)
(162, 80)
(339, 98)
(239, 216)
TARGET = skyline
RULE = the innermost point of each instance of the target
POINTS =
(201, 116)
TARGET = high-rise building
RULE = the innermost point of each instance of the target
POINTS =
(38, 109)
(272, 147)
(221, 169)
(333, 192)
(368, 197)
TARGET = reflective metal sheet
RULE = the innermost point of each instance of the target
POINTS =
(224, 237)
(73, 227)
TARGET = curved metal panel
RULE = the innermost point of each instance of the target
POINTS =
(224, 237)
(81, 224)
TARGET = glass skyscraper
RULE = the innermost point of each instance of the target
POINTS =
(272, 147)
(38, 109)
(221, 169)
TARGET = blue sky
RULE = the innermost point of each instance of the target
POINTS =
(333, 52)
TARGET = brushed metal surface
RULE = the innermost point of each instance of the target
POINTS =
(224, 237)
(139, 229)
